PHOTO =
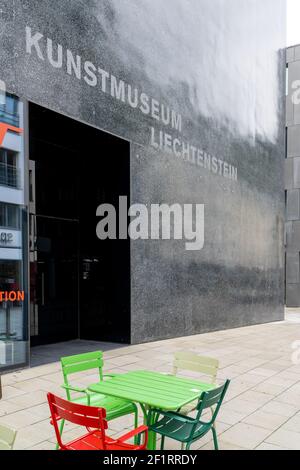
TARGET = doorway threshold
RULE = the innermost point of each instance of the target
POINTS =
(46, 354)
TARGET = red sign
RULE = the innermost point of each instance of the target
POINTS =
(12, 296)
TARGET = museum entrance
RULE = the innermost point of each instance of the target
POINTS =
(79, 285)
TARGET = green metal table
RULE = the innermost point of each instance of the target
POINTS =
(152, 390)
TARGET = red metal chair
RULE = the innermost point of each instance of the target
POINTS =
(93, 419)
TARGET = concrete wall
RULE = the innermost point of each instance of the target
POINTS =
(220, 67)
(292, 179)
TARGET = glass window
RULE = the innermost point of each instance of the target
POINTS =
(9, 216)
(13, 219)
(11, 158)
(8, 157)
(9, 110)
(3, 156)
(2, 214)
(11, 105)
(13, 345)
(8, 168)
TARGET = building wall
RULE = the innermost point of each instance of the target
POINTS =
(219, 67)
(292, 179)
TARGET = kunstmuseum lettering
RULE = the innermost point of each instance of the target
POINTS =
(120, 90)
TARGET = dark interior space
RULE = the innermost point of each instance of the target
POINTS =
(80, 286)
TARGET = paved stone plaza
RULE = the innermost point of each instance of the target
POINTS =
(262, 408)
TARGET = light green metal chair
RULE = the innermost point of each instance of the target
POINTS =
(189, 361)
(7, 438)
(115, 407)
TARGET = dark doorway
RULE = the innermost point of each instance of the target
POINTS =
(80, 286)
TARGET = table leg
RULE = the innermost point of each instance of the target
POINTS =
(151, 435)
(149, 419)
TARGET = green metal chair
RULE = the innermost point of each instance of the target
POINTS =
(7, 438)
(188, 430)
(115, 407)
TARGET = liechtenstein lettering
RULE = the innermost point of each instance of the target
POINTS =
(120, 90)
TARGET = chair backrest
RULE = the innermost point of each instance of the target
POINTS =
(82, 362)
(212, 399)
(192, 362)
(7, 438)
(82, 415)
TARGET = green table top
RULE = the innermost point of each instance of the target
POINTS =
(154, 389)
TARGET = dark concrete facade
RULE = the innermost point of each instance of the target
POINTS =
(292, 179)
(219, 68)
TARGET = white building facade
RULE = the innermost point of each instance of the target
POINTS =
(13, 223)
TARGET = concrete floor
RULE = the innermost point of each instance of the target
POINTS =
(262, 407)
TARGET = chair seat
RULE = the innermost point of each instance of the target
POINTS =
(115, 407)
(179, 430)
(93, 441)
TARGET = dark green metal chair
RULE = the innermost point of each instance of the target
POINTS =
(188, 430)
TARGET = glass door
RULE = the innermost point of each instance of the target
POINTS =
(54, 284)
(54, 293)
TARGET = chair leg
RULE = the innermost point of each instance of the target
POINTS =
(137, 439)
(182, 446)
(212, 414)
(215, 438)
(162, 445)
(61, 429)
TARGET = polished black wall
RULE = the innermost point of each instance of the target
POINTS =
(221, 65)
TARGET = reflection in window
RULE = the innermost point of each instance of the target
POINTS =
(8, 168)
(9, 111)
(9, 216)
